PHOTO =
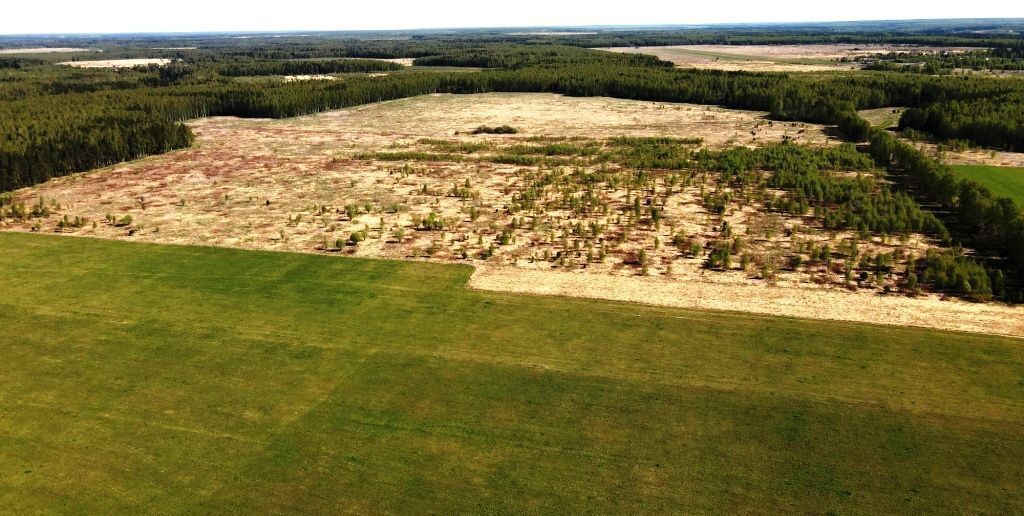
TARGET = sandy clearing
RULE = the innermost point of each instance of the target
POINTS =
(291, 78)
(116, 63)
(46, 50)
(708, 294)
(994, 158)
(548, 114)
(404, 61)
(769, 58)
(284, 184)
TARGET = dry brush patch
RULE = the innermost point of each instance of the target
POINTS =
(407, 179)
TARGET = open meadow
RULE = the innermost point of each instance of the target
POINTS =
(214, 380)
(1003, 181)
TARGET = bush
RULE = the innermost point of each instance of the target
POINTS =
(501, 129)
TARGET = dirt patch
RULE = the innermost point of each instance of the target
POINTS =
(406, 179)
(771, 58)
(116, 63)
(994, 158)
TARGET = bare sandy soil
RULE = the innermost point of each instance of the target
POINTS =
(312, 184)
(555, 115)
(116, 63)
(318, 77)
(769, 58)
(46, 50)
(707, 293)
(404, 61)
(994, 158)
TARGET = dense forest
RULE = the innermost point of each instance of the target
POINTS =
(305, 67)
(990, 121)
(56, 120)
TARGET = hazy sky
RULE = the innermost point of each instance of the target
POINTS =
(35, 16)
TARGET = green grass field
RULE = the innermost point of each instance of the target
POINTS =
(140, 378)
(1003, 181)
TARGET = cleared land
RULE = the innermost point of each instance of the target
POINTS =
(399, 176)
(206, 380)
(404, 61)
(1003, 181)
(116, 63)
(43, 50)
(977, 156)
(885, 118)
(770, 58)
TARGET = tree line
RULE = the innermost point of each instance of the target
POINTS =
(994, 122)
(989, 222)
(305, 67)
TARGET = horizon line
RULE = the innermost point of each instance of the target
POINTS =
(608, 27)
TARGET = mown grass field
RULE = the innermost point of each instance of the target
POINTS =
(1003, 181)
(141, 378)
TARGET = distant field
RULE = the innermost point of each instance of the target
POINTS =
(886, 118)
(116, 63)
(41, 50)
(147, 378)
(1003, 181)
(770, 58)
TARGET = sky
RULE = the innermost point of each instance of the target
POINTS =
(99, 16)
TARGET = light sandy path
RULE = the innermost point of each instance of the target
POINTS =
(789, 301)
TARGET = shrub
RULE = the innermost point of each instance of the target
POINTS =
(501, 129)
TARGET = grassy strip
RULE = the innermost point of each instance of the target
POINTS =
(1002, 181)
